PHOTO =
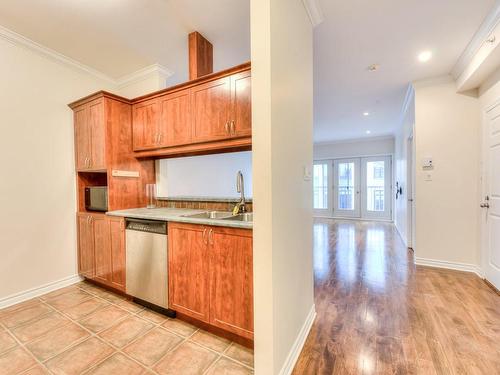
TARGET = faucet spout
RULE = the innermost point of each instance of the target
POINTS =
(240, 188)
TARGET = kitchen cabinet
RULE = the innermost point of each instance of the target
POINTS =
(231, 285)
(203, 116)
(188, 267)
(101, 249)
(241, 104)
(145, 120)
(211, 110)
(85, 246)
(117, 249)
(211, 275)
(175, 119)
(90, 136)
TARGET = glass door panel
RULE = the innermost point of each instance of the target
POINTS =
(346, 188)
(321, 188)
(376, 187)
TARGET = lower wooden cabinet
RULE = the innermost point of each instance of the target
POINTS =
(101, 249)
(211, 275)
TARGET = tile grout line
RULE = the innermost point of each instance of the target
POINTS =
(114, 302)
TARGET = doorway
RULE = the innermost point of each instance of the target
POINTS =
(353, 188)
(410, 210)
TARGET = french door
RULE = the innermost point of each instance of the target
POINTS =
(353, 188)
(346, 187)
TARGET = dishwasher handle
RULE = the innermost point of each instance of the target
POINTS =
(149, 226)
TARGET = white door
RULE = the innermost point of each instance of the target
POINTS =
(376, 187)
(490, 206)
(322, 197)
(346, 188)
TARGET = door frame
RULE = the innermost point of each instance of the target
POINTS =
(410, 192)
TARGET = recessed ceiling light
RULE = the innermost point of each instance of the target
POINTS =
(368, 132)
(424, 56)
(373, 67)
(366, 113)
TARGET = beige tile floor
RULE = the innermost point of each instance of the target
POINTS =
(83, 329)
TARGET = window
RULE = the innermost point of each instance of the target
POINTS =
(320, 186)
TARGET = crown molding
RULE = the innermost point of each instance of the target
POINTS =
(314, 11)
(482, 34)
(18, 39)
(143, 73)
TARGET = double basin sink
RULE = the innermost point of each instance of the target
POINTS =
(219, 215)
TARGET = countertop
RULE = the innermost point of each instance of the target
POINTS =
(177, 215)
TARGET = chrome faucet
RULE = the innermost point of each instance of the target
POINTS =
(240, 206)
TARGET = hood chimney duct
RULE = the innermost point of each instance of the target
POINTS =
(201, 58)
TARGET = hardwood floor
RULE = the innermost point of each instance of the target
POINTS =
(379, 314)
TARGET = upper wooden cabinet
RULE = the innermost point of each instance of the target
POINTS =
(145, 119)
(211, 110)
(241, 104)
(209, 114)
(90, 136)
(211, 275)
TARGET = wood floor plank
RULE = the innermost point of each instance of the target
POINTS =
(380, 314)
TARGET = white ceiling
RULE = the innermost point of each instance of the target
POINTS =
(358, 33)
(119, 37)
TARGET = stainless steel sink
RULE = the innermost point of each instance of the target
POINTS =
(246, 217)
(210, 215)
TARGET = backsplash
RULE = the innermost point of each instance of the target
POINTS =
(201, 205)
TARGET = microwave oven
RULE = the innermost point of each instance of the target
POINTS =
(96, 198)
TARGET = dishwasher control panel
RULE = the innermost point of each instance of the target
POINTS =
(150, 226)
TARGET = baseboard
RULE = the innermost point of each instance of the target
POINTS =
(466, 267)
(38, 291)
(353, 218)
(292, 357)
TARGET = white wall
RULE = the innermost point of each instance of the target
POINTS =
(354, 148)
(447, 128)
(204, 176)
(282, 116)
(401, 213)
(37, 187)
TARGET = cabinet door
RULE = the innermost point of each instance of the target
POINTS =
(211, 110)
(231, 285)
(82, 138)
(241, 104)
(145, 118)
(102, 253)
(117, 245)
(175, 119)
(98, 135)
(188, 270)
(85, 246)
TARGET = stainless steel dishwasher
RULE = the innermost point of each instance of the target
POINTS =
(146, 261)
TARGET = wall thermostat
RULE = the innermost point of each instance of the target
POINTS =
(427, 163)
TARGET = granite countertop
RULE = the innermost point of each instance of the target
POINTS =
(177, 215)
(203, 199)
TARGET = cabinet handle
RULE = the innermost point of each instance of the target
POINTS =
(160, 136)
(211, 237)
(226, 126)
(203, 236)
(86, 162)
(232, 127)
(90, 163)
